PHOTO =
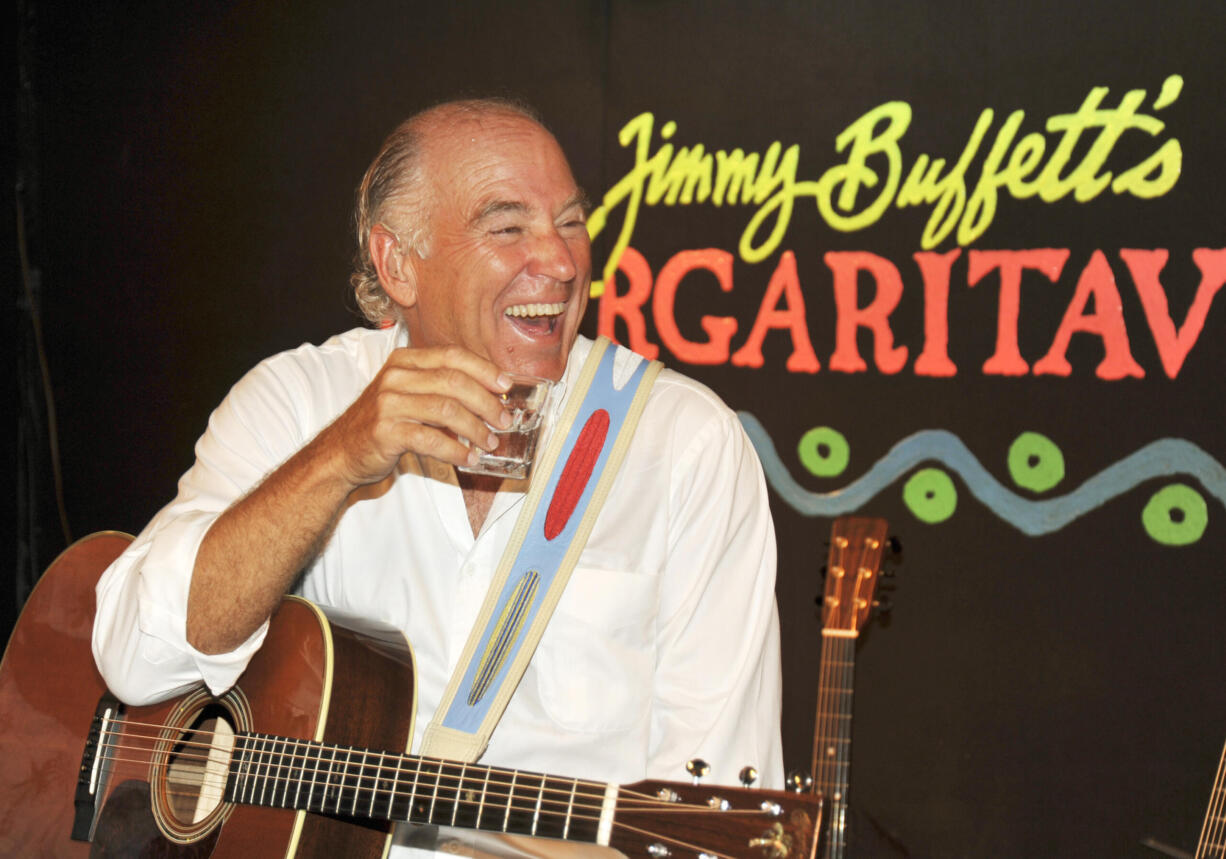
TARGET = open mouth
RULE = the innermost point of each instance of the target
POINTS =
(539, 318)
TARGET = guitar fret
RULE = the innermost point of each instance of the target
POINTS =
(455, 804)
(328, 781)
(374, 788)
(357, 787)
(570, 805)
(536, 812)
(485, 784)
(340, 788)
(413, 792)
(284, 772)
(249, 775)
(307, 758)
(585, 826)
(521, 817)
(438, 775)
(263, 768)
(238, 760)
(310, 803)
(395, 792)
(273, 776)
(550, 821)
(506, 817)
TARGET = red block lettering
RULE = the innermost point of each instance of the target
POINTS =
(783, 283)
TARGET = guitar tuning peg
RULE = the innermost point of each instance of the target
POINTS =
(883, 605)
(748, 776)
(698, 768)
(799, 781)
(893, 547)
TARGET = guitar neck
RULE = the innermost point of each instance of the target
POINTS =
(832, 749)
(296, 774)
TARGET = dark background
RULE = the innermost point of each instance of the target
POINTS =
(186, 173)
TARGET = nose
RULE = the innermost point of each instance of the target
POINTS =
(553, 257)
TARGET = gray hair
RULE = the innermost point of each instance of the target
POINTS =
(396, 178)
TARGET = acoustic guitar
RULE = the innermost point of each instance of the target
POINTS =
(302, 758)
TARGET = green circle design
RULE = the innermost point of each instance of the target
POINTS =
(930, 494)
(824, 451)
(1169, 529)
(1035, 463)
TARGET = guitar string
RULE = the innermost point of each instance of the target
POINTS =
(637, 800)
(830, 697)
(1212, 840)
(834, 717)
(821, 769)
(715, 854)
(838, 840)
(345, 792)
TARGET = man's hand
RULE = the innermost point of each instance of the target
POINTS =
(419, 402)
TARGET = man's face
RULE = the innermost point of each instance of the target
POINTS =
(508, 262)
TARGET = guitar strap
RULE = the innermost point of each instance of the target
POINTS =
(595, 431)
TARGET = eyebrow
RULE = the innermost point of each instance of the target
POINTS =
(498, 207)
(501, 207)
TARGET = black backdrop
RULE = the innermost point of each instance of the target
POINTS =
(1045, 685)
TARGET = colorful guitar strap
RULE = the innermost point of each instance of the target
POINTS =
(564, 498)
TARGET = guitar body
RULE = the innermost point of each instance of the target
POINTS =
(312, 679)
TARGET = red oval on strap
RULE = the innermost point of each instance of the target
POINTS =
(576, 473)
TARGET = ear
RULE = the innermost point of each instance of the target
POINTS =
(394, 266)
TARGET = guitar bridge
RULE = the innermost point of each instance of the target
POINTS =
(95, 767)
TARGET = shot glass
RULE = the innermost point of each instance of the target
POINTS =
(516, 450)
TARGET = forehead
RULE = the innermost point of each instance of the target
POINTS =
(475, 163)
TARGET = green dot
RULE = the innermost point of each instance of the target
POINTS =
(1035, 462)
(824, 451)
(1176, 515)
(931, 495)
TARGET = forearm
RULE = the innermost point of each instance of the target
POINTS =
(253, 552)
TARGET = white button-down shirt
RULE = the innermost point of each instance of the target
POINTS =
(663, 647)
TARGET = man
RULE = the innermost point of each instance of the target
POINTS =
(329, 471)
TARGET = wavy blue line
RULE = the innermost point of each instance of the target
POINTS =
(1162, 458)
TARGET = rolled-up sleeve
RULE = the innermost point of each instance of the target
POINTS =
(140, 626)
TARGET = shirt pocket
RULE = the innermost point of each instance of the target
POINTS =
(595, 662)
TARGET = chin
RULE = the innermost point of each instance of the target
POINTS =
(547, 360)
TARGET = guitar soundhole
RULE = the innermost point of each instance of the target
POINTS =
(196, 775)
(191, 762)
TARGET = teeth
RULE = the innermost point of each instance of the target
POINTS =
(523, 310)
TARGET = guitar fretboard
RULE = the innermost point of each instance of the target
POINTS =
(832, 751)
(281, 772)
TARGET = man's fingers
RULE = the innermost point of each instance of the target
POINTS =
(453, 384)
(471, 364)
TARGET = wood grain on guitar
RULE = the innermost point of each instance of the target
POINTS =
(302, 758)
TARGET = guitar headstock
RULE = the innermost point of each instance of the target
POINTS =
(857, 544)
(684, 821)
